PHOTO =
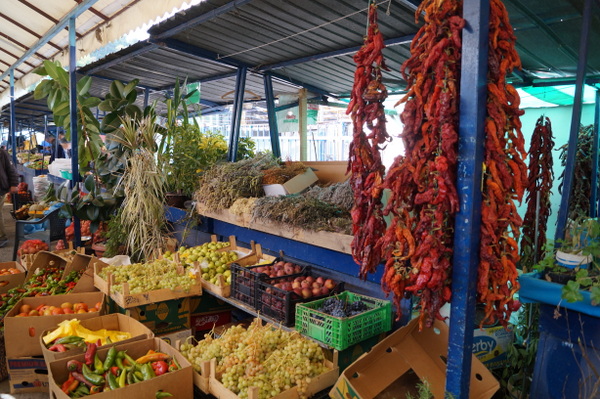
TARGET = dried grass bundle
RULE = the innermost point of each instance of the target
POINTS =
(222, 184)
(283, 173)
(339, 194)
(243, 206)
(303, 212)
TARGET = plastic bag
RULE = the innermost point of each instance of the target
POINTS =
(40, 186)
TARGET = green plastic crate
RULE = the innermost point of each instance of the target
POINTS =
(341, 333)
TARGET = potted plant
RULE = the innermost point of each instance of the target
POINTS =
(580, 245)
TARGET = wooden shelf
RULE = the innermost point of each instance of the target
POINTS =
(324, 239)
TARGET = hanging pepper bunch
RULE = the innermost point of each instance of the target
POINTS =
(366, 108)
(505, 175)
(539, 184)
(418, 243)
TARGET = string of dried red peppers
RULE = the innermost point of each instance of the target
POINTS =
(367, 170)
(418, 244)
(505, 175)
(539, 183)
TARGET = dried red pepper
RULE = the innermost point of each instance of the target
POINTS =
(505, 175)
(418, 244)
(367, 170)
(540, 179)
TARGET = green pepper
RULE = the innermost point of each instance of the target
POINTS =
(161, 394)
(139, 375)
(95, 379)
(136, 378)
(110, 358)
(98, 365)
(82, 389)
(119, 363)
(131, 361)
(147, 372)
(112, 381)
(69, 339)
(108, 340)
(120, 354)
(130, 378)
(122, 378)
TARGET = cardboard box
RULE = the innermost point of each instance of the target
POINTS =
(45, 259)
(203, 322)
(84, 264)
(207, 304)
(329, 171)
(179, 383)
(27, 375)
(115, 321)
(125, 299)
(22, 334)
(415, 356)
(294, 185)
(175, 337)
(491, 344)
(161, 317)
(12, 280)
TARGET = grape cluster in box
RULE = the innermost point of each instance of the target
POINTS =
(276, 297)
(244, 280)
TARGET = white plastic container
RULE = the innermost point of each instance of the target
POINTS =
(573, 260)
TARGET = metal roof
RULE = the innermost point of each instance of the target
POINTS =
(310, 43)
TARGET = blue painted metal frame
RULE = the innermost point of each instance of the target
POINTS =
(273, 130)
(594, 196)
(563, 211)
(336, 53)
(236, 122)
(119, 60)
(73, 119)
(13, 119)
(467, 225)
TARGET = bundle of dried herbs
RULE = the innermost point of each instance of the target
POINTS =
(223, 183)
(303, 212)
(339, 194)
(242, 206)
(283, 173)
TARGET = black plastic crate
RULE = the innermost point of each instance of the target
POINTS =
(244, 280)
(280, 304)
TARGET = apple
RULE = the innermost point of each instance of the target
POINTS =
(306, 284)
(33, 312)
(299, 279)
(297, 268)
(288, 268)
(306, 293)
(47, 312)
(316, 291)
(25, 309)
(316, 284)
(280, 273)
(310, 279)
(298, 291)
(296, 284)
(329, 283)
(324, 291)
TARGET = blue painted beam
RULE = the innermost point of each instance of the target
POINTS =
(73, 120)
(146, 96)
(62, 24)
(273, 130)
(232, 5)
(236, 117)
(563, 211)
(210, 55)
(594, 199)
(465, 262)
(335, 53)
(119, 60)
(565, 81)
(13, 119)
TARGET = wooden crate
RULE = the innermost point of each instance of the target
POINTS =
(127, 300)
(317, 384)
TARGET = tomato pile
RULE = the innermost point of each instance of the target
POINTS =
(32, 247)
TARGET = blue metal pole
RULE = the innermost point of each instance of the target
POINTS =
(13, 119)
(273, 130)
(146, 96)
(594, 211)
(73, 119)
(473, 98)
(563, 211)
(236, 122)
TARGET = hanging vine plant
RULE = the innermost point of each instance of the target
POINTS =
(579, 204)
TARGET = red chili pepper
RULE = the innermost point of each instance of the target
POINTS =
(89, 353)
(160, 367)
(58, 348)
(114, 370)
(70, 384)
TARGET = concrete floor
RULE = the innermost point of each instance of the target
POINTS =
(6, 256)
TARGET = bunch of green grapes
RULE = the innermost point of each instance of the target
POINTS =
(270, 359)
(150, 276)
